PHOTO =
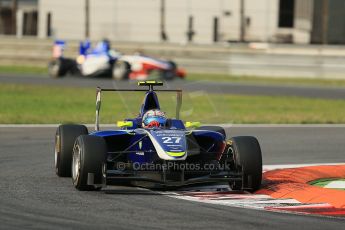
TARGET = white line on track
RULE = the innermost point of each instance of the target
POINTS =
(288, 166)
(336, 185)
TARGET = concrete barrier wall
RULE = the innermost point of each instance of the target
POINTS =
(252, 59)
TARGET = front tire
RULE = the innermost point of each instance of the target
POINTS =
(88, 160)
(64, 140)
(247, 159)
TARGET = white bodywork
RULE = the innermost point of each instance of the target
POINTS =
(93, 64)
(136, 62)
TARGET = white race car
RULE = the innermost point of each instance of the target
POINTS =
(104, 61)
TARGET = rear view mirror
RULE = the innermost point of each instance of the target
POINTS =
(192, 124)
(124, 124)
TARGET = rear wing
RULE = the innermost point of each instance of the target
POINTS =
(99, 90)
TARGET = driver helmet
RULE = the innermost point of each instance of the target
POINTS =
(154, 118)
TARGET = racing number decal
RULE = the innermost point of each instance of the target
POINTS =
(170, 140)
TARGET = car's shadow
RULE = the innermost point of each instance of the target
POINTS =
(174, 191)
(135, 192)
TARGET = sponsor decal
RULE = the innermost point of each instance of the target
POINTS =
(176, 154)
(173, 142)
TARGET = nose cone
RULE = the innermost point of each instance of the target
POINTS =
(169, 144)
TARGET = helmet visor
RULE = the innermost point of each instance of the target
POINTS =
(159, 119)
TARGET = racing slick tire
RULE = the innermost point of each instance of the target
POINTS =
(213, 128)
(173, 64)
(121, 70)
(169, 74)
(88, 159)
(248, 159)
(60, 67)
(64, 140)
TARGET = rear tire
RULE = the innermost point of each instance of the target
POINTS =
(88, 159)
(173, 65)
(54, 69)
(64, 140)
(213, 128)
(169, 74)
(60, 67)
(248, 159)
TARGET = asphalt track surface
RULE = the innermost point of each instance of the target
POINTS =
(33, 197)
(209, 87)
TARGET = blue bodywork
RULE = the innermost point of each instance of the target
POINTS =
(171, 144)
(135, 142)
(102, 49)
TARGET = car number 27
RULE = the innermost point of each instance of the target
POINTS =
(171, 140)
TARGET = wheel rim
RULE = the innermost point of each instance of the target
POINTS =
(168, 75)
(76, 163)
(119, 71)
(54, 69)
(56, 151)
(235, 185)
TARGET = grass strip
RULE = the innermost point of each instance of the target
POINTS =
(30, 70)
(22, 104)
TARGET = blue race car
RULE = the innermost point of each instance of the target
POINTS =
(153, 150)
